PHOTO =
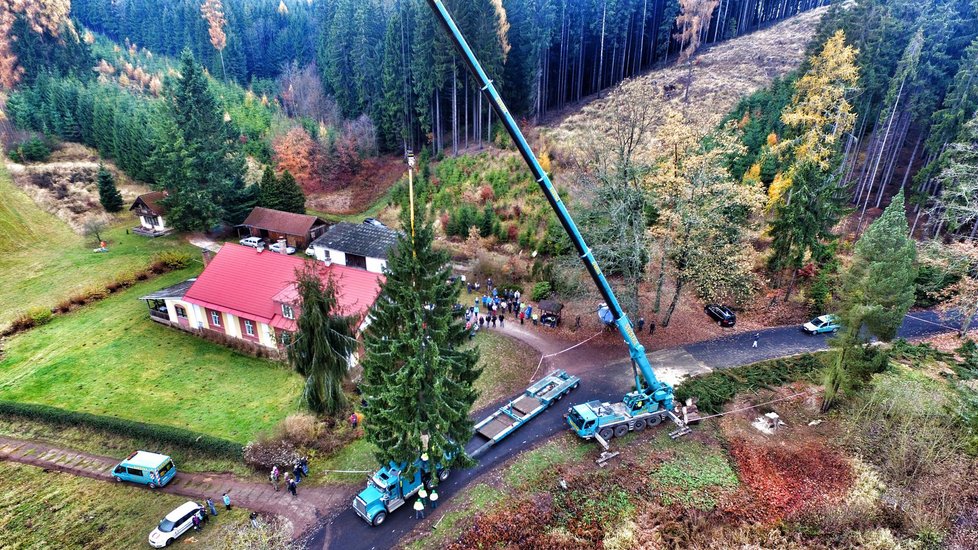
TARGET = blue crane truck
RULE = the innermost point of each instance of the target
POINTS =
(652, 399)
(390, 487)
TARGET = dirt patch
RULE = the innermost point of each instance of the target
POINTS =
(66, 185)
(363, 189)
(722, 75)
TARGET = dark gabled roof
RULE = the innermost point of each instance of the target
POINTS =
(151, 201)
(281, 222)
(551, 305)
(358, 238)
(176, 291)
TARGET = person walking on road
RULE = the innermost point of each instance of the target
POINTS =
(227, 502)
(418, 509)
(297, 472)
(641, 323)
(274, 477)
(434, 499)
(292, 487)
(652, 327)
(756, 336)
(210, 504)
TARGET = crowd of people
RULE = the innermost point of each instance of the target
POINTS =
(291, 478)
(493, 308)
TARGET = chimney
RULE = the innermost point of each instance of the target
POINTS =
(283, 246)
(208, 256)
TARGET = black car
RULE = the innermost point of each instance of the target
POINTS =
(723, 315)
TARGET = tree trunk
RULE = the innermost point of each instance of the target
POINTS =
(913, 157)
(791, 283)
(604, 14)
(680, 282)
(454, 109)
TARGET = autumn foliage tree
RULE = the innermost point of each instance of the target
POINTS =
(300, 155)
(213, 12)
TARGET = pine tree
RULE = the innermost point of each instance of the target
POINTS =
(108, 195)
(321, 347)
(291, 198)
(417, 376)
(268, 190)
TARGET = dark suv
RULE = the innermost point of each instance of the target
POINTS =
(721, 314)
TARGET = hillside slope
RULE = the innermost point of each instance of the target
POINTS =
(722, 75)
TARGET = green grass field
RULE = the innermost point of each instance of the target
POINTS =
(55, 510)
(42, 261)
(110, 359)
(507, 365)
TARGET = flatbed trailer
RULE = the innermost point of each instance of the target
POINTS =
(521, 409)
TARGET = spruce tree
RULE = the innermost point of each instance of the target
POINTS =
(877, 291)
(417, 375)
(291, 198)
(198, 161)
(108, 195)
(268, 189)
(323, 342)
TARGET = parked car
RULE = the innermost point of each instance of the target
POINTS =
(253, 242)
(723, 315)
(151, 469)
(822, 324)
(277, 248)
(176, 523)
(373, 221)
(310, 251)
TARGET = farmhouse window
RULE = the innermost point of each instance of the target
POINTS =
(215, 318)
(249, 327)
(287, 312)
(182, 313)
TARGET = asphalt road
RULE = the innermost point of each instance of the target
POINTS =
(605, 377)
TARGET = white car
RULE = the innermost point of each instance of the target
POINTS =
(310, 251)
(175, 524)
(277, 248)
(253, 242)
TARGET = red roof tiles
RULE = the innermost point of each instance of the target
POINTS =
(249, 284)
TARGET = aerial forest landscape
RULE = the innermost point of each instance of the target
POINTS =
(472, 274)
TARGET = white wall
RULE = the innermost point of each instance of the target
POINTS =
(376, 265)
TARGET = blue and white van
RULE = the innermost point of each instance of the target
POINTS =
(152, 469)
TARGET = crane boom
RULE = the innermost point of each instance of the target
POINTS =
(658, 391)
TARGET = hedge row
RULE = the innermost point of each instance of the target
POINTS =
(715, 389)
(128, 428)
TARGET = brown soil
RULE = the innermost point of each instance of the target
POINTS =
(360, 190)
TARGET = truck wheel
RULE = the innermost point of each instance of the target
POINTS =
(576, 384)
(655, 420)
(443, 475)
(379, 518)
(621, 430)
(606, 433)
(639, 425)
(152, 485)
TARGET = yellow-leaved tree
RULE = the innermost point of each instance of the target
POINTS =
(820, 110)
(213, 12)
(42, 16)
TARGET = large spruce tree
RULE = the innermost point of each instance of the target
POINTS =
(199, 162)
(877, 291)
(417, 376)
(324, 340)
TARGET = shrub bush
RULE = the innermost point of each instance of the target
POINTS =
(300, 428)
(541, 291)
(121, 426)
(170, 260)
(270, 451)
(40, 315)
(32, 150)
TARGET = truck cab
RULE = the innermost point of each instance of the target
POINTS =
(390, 487)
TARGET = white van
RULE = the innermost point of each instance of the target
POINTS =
(175, 524)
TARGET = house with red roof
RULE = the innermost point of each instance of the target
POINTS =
(250, 294)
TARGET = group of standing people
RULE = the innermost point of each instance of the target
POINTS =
(491, 309)
(293, 478)
(424, 499)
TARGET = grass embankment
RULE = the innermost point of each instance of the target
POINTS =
(56, 510)
(42, 261)
(110, 359)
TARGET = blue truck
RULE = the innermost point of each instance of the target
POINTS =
(390, 487)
